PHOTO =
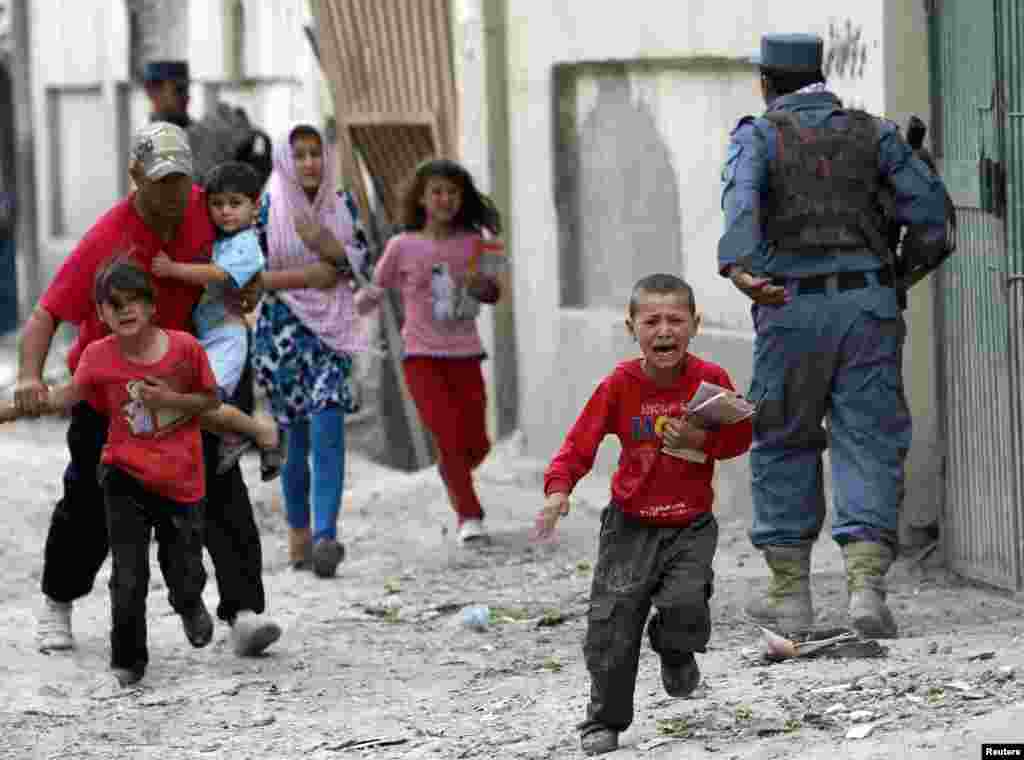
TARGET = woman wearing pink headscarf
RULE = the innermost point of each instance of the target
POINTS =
(305, 336)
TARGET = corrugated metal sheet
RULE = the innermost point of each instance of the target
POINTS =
(389, 151)
(390, 68)
(983, 464)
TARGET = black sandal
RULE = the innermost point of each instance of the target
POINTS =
(272, 460)
(230, 453)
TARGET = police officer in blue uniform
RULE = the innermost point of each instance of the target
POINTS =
(805, 240)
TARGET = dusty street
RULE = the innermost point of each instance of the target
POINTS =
(377, 663)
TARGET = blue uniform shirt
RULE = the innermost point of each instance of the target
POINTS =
(919, 194)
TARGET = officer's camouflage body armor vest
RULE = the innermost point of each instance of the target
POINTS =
(825, 185)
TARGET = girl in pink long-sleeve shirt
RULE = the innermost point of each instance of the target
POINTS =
(435, 266)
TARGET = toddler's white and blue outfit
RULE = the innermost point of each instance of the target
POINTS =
(224, 335)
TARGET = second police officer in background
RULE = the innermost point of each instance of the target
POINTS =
(223, 134)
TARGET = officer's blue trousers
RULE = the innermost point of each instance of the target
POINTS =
(834, 356)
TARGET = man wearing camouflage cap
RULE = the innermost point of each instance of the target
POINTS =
(166, 213)
(805, 241)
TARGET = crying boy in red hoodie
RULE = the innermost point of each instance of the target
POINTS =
(658, 534)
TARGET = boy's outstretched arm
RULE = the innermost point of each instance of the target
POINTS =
(555, 505)
(576, 457)
(195, 274)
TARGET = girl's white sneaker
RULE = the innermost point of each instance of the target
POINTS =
(471, 532)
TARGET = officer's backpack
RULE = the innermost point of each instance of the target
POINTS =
(225, 134)
(824, 185)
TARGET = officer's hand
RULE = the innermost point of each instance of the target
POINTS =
(30, 396)
(758, 289)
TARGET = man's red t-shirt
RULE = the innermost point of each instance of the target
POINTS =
(161, 449)
(70, 298)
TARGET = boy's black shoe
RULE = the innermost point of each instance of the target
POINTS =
(680, 680)
(128, 676)
(198, 625)
(596, 739)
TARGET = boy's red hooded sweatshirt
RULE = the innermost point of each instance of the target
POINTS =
(648, 485)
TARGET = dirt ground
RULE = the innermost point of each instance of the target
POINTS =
(377, 663)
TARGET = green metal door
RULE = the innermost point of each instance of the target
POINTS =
(981, 409)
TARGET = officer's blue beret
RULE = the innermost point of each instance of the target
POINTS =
(790, 52)
(159, 71)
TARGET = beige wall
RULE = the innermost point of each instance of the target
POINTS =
(907, 93)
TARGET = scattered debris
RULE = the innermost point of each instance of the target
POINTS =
(552, 663)
(861, 731)
(508, 614)
(776, 647)
(365, 743)
(652, 743)
(551, 618)
(260, 722)
(981, 656)
(836, 689)
(924, 553)
(476, 616)
(871, 683)
(676, 728)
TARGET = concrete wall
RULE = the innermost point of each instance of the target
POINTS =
(676, 70)
(86, 105)
(479, 55)
(907, 92)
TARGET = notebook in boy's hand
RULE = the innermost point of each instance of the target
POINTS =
(713, 405)
(716, 405)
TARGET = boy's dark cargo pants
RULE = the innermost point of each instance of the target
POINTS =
(639, 565)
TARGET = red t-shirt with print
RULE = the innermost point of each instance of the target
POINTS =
(162, 449)
(69, 297)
